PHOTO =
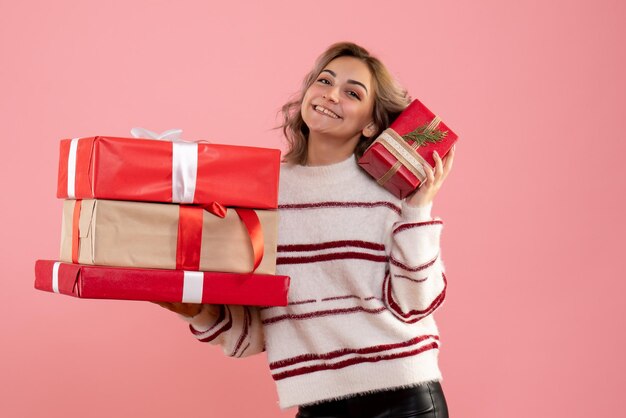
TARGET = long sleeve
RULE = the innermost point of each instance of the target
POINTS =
(415, 285)
(237, 329)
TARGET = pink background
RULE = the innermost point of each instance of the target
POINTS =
(533, 243)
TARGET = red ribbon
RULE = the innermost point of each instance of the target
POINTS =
(251, 220)
(76, 230)
(215, 208)
(189, 240)
(189, 237)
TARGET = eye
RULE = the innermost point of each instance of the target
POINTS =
(323, 81)
(354, 94)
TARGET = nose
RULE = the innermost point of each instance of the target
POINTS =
(331, 94)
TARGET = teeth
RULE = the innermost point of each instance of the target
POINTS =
(326, 112)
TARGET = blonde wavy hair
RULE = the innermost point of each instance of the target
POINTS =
(390, 100)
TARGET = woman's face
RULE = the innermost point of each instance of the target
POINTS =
(340, 101)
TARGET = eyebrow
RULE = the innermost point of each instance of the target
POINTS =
(349, 81)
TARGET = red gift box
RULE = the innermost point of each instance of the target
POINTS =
(396, 157)
(163, 171)
(95, 282)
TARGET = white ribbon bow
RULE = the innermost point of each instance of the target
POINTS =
(169, 135)
(184, 162)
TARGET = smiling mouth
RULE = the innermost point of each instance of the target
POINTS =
(326, 112)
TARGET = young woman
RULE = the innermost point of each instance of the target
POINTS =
(358, 338)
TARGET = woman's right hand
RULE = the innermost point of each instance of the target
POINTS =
(186, 309)
(434, 179)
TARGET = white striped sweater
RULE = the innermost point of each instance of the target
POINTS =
(366, 276)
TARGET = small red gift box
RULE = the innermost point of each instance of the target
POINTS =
(396, 157)
(96, 282)
(164, 171)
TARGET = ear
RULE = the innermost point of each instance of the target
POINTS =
(369, 130)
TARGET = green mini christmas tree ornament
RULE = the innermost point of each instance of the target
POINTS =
(423, 135)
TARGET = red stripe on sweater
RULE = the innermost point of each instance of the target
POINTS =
(322, 205)
(417, 314)
(331, 244)
(228, 325)
(347, 351)
(244, 349)
(342, 297)
(403, 266)
(416, 225)
(348, 255)
(352, 361)
(220, 318)
(249, 327)
(300, 302)
(316, 314)
(244, 333)
(400, 276)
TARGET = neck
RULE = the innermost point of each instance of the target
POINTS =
(323, 150)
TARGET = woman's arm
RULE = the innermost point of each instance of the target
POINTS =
(416, 284)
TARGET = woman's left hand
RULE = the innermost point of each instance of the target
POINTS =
(434, 179)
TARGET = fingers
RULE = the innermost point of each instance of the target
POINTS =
(438, 166)
(444, 166)
(433, 177)
(430, 175)
(448, 161)
(187, 309)
(167, 305)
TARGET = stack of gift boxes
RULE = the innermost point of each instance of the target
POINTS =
(167, 221)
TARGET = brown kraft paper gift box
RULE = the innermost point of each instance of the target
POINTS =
(145, 235)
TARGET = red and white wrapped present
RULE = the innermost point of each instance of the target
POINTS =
(395, 159)
(168, 171)
(97, 282)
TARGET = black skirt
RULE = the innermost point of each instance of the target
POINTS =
(423, 401)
